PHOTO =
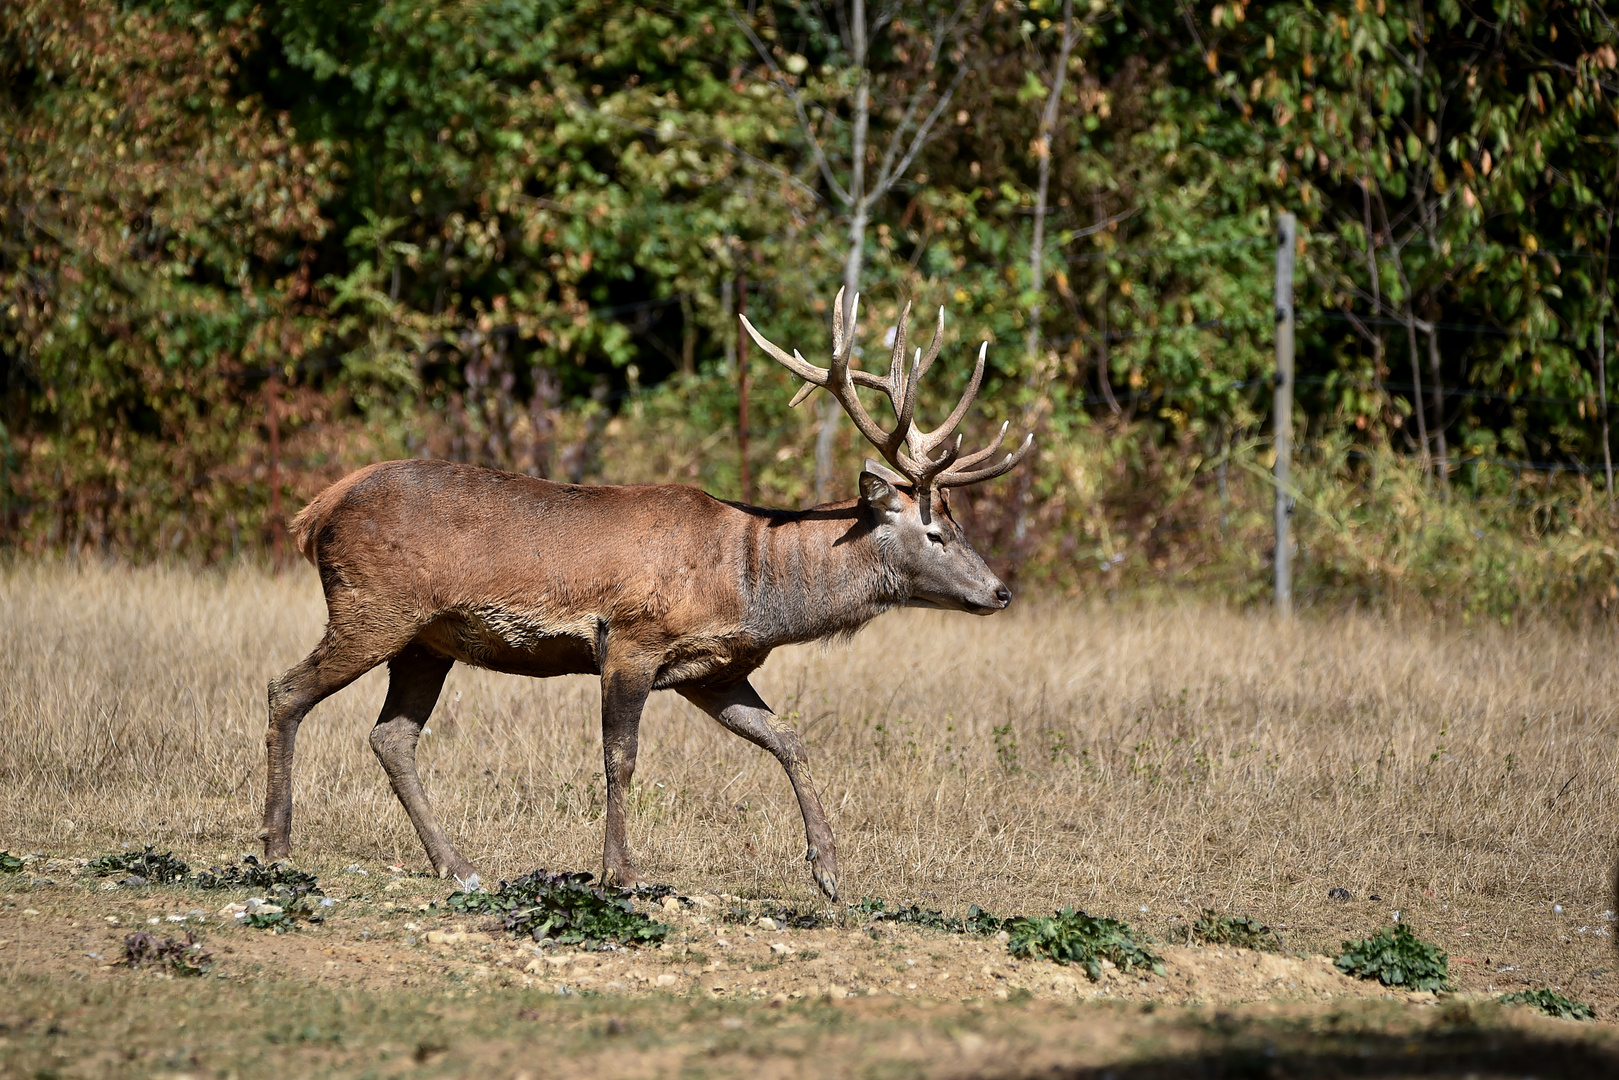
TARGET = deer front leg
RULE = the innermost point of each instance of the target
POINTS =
(740, 709)
(625, 685)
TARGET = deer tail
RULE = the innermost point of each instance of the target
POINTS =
(311, 520)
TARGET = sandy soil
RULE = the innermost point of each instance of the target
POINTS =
(398, 933)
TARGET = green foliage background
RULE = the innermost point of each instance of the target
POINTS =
(508, 231)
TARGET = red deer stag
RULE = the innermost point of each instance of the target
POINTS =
(424, 563)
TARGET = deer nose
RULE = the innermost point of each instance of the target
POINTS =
(1003, 595)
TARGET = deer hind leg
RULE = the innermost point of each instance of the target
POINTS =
(338, 660)
(415, 678)
(624, 693)
(740, 709)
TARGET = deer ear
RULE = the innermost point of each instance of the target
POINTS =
(879, 493)
(877, 468)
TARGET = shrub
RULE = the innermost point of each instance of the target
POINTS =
(1397, 957)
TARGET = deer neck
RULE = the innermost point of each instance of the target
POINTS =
(816, 574)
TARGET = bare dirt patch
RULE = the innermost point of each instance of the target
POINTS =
(399, 992)
(387, 930)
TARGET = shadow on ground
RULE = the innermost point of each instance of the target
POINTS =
(1463, 1052)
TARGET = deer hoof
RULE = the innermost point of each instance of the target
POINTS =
(827, 880)
(624, 876)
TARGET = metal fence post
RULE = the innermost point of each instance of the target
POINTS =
(1286, 232)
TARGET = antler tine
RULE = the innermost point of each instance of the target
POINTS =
(902, 386)
(896, 359)
(837, 323)
(843, 335)
(924, 442)
(925, 361)
(794, 363)
(840, 382)
(978, 457)
(961, 479)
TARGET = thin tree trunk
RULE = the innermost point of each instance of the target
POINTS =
(826, 443)
(860, 208)
(272, 413)
(1037, 267)
(742, 394)
(859, 215)
(1416, 383)
(1602, 354)
(1409, 318)
(688, 337)
(1441, 463)
(1377, 298)
(1602, 388)
(732, 328)
(1048, 123)
(1101, 323)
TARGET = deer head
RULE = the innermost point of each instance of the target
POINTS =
(907, 504)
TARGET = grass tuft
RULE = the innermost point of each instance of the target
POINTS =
(1550, 1003)
(1397, 957)
(1077, 937)
(1238, 931)
(566, 908)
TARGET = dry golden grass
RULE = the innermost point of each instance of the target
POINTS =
(1111, 757)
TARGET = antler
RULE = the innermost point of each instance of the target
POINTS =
(907, 448)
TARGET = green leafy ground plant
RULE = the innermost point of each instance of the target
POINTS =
(185, 958)
(1077, 937)
(1238, 931)
(565, 908)
(150, 867)
(786, 918)
(9, 863)
(295, 907)
(976, 921)
(1550, 1003)
(252, 874)
(1397, 957)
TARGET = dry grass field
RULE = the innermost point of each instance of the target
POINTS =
(1141, 761)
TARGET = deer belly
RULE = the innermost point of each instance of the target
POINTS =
(516, 643)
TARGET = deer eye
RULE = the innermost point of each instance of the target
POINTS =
(936, 538)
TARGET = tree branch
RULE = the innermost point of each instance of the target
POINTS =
(819, 152)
